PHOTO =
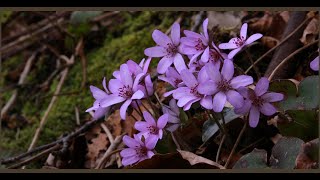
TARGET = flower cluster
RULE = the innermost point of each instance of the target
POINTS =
(198, 71)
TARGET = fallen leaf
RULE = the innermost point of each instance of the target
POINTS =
(97, 148)
(311, 32)
(309, 155)
(255, 159)
(269, 41)
(225, 20)
(195, 159)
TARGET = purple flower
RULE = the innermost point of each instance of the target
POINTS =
(99, 95)
(238, 43)
(168, 49)
(223, 85)
(134, 68)
(150, 127)
(138, 150)
(195, 44)
(258, 100)
(172, 77)
(124, 90)
(188, 95)
(213, 55)
(173, 111)
(314, 65)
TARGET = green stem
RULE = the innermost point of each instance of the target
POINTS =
(216, 121)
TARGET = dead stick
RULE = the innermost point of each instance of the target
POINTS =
(37, 156)
(220, 146)
(64, 74)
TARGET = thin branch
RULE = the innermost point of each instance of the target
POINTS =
(108, 133)
(107, 154)
(275, 47)
(76, 111)
(289, 57)
(175, 141)
(22, 79)
(220, 146)
(251, 61)
(33, 158)
(236, 143)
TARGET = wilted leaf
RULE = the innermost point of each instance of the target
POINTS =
(305, 99)
(78, 17)
(299, 123)
(311, 32)
(269, 41)
(195, 159)
(210, 127)
(227, 20)
(169, 161)
(285, 152)
(308, 158)
(257, 159)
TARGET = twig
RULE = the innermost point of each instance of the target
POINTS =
(140, 111)
(147, 108)
(254, 143)
(108, 133)
(290, 56)
(64, 74)
(37, 156)
(76, 110)
(220, 146)
(70, 136)
(107, 154)
(251, 61)
(216, 121)
(176, 21)
(103, 16)
(175, 141)
(22, 78)
(80, 52)
(236, 143)
(272, 49)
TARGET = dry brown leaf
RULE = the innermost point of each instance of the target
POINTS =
(311, 32)
(269, 41)
(96, 149)
(227, 20)
(308, 156)
(195, 159)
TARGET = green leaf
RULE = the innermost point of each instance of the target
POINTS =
(285, 152)
(299, 123)
(303, 97)
(79, 17)
(257, 159)
(210, 127)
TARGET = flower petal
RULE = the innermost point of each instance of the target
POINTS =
(150, 154)
(138, 95)
(160, 38)
(184, 100)
(156, 51)
(151, 142)
(111, 100)
(191, 34)
(243, 91)
(180, 92)
(162, 121)
(227, 46)
(314, 65)
(115, 84)
(127, 152)
(130, 142)
(254, 117)
(137, 81)
(241, 81)
(235, 98)
(233, 53)
(227, 69)
(123, 109)
(272, 97)
(202, 75)
(253, 38)
(116, 74)
(125, 75)
(98, 93)
(100, 112)
(129, 160)
(262, 86)
(205, 28)
(213, 72)
(205, 55)
(174, 107)
(188, 50)
(104, 84)
(219, 101)
(189, 104)
(245, 108)
(268, 109)
(149, 118)
(146, 65)
(207, 88)
(243, 31)
(149, 85)
(164, 64)
(188, 78)
(206, 102)
(141, 126)
(175, 33)
(179, 63)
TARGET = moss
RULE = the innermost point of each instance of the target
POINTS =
(123, 42)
